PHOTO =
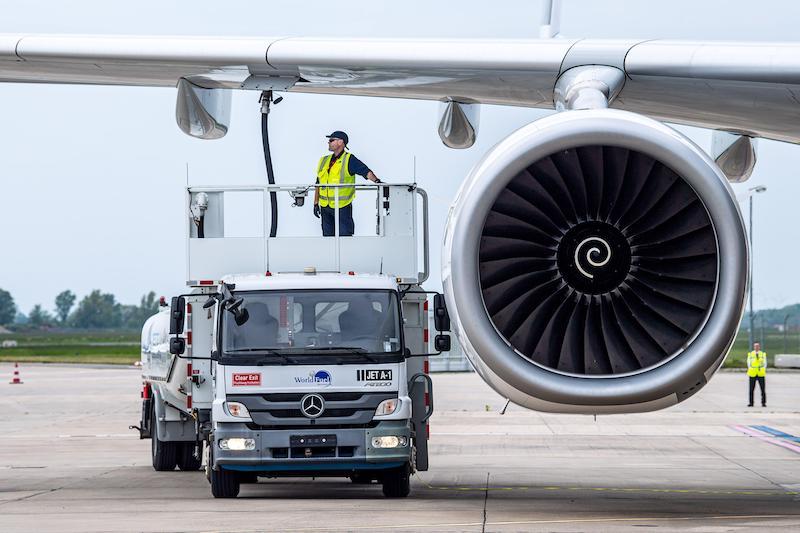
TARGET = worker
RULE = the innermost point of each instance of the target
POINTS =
(340, 167)
(757, 372)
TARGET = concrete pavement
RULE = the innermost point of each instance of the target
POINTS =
(68, 463)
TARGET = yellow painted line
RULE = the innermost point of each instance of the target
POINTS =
(645, 519)
(613, 489)
(612, 519)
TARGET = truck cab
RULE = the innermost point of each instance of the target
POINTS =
(293, 371)
(313, 383)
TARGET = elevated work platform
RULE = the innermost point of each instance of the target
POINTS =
(234, 234)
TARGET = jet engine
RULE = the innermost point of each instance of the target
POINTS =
(595, 262)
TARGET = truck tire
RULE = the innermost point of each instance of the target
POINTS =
(164, 453)
(186, 459)
(224, 483)
(397, 482)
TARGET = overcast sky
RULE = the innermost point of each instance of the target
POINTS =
(93, 177)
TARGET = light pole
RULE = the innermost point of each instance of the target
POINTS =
(785, 325)
(750, 192)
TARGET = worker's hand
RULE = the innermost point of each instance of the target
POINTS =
(316, 210)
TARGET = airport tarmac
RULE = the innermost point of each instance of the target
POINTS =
(68, 463)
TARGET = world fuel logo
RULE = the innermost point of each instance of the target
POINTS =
(321, 378)
(374, 374)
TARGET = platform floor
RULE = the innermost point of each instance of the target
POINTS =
(68, 463)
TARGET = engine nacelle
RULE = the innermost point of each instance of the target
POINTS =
(595, 262)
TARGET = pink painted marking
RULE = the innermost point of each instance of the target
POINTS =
(767, 438)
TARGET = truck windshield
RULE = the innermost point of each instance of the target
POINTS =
(288, 327)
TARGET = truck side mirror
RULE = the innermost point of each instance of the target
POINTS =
(441, 319)
(177, 313)
(240, 316)
(442, 343)
(177, 345)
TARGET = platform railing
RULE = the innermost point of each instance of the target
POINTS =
(392, 249)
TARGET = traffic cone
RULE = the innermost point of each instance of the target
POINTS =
(16, 380)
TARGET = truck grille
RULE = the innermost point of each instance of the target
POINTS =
(327, 396)
(345, 409)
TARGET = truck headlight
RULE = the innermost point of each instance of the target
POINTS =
(237, 409)
(237, 444)
(390, 441)
(387, 407)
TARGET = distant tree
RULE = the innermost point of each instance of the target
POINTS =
(64, 302)
(134, 317)
(38, 317)
(8, 309)
(21, 318)
(97, 310)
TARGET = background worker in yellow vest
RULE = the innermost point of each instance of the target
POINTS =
(757, 372)
(341, 167)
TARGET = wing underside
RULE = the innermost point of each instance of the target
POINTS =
(749, 88)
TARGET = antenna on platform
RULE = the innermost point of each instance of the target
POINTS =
(551, 19)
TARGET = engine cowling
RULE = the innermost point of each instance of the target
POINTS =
(595, 262)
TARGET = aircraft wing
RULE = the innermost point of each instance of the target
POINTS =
(751, 88)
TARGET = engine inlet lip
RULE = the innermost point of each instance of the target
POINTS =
(517, 377)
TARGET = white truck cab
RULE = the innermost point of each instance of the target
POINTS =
(293, 371)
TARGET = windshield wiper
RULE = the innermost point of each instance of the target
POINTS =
(261, 351)
(237, 350)
(348, 350)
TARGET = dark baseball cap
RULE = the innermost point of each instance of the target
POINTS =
(339, 135)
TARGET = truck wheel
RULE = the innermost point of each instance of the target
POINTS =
(359, 478)
(186, 458)
(164, 453)
(224, 483)
(397, 482)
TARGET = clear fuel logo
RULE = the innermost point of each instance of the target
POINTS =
(246, 379)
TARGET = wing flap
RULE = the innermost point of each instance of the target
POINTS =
(127, 60)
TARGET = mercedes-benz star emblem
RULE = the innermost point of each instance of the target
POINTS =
(312, 405)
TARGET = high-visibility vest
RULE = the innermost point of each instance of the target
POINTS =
(757, 364)
(338, 173)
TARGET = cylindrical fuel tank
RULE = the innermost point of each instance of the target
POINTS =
(165, 372)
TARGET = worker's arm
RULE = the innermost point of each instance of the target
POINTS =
(355, 166)
(316, 200)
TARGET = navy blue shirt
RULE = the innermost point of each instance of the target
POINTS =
(354, 166)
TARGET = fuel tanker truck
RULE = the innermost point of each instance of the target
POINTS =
(279, 362)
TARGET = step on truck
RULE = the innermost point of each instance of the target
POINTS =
(291, 355)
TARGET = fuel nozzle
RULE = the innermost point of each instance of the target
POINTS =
(198, 208)
(266, 99)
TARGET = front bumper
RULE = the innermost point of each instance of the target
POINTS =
(274, 454)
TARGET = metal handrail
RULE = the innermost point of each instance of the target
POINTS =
(422, 276)
(294, 187)
(426, 260)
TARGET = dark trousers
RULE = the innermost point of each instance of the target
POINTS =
(346, 225)
(761, 383)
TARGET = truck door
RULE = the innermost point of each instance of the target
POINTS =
(415, 331)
